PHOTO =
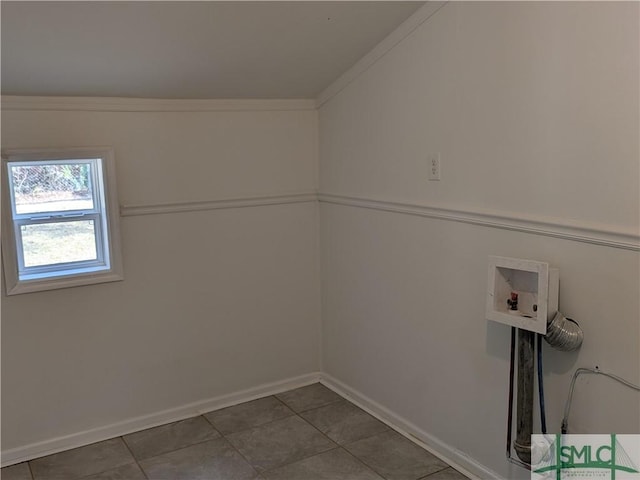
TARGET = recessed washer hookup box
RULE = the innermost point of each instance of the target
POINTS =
(522, 293)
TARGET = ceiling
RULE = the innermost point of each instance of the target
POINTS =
(188, 49)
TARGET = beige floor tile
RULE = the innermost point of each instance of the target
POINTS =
(343, 422)
(173, 436)
(83, 461)
(280, 442)
(248, 415)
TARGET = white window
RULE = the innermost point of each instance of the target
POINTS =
(59, 219)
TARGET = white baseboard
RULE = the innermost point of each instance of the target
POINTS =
(55, 445)
(457, 459)
(454, 457)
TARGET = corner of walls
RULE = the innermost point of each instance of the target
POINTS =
(466, 465)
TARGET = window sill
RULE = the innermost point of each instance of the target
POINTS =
(66, 281)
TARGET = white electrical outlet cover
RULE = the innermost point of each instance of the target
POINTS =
(433, 160)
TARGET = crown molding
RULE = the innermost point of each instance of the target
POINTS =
(380, 50)
(120, 104)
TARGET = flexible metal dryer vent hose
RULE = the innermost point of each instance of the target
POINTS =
(564, 333)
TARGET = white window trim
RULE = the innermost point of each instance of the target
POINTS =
(84, 276)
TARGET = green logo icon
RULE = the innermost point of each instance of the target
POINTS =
(584, 456)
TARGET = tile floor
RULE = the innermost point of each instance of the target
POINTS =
(310, 433)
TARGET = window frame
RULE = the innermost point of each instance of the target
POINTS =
(107, 267)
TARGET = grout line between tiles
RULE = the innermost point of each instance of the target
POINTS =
(334, 444)
(318, 430)
(395, 427)
(313, 408)
(380, 473)
(175, 449)
(134, 457)
(294, 414)
(242, 456)
(275, 467)
(225, 435)
(337, 447)
(426, 477)
(325, 405)
(243, 403)
(276, 397)
(368, 436)
(224, 438)
(91, 474)
(221, 437)
(362, 462)
(388, 429)
(309, 423)
(260, 472)
(204, 415)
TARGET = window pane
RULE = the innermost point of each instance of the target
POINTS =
(50, 243)
(52, 187)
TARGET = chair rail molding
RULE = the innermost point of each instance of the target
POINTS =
(597, 234)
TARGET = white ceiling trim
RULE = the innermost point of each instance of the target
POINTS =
(388, 43)
(113, 104)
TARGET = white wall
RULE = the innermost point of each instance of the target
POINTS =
(213, 302)
(534, 109)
